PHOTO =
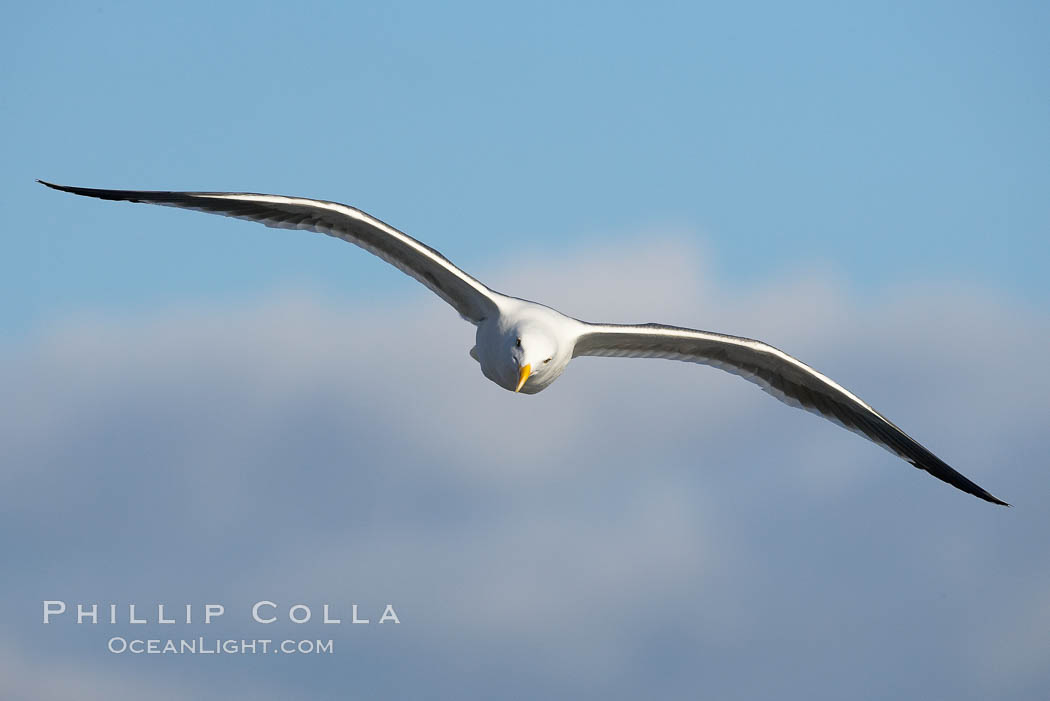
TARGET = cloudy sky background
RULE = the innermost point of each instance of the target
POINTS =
(203, 410)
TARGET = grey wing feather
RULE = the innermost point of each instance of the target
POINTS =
(777, 373)
(473, 300)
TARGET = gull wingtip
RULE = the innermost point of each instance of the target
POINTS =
(989, 497)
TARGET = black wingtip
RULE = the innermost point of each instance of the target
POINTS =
(988, 497)
(981, 493)
(122, 195)
(60, 188)
(927, 461)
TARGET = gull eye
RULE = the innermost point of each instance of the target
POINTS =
(546, 361)
(518, 343)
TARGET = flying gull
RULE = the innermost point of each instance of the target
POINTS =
(523, 346)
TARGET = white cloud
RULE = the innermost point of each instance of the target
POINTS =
(638, 526)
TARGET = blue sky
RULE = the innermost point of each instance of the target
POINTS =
(200, 409)
(886, 143)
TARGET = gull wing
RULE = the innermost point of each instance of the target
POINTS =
(777, 373)
(473, 300)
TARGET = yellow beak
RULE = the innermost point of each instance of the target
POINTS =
(525, 370)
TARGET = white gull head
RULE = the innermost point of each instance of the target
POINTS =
(526, 346)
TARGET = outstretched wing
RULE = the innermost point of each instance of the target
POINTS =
(469, 297)
(777, 373)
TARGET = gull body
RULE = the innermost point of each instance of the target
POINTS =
(523, 334)
(523, 346)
